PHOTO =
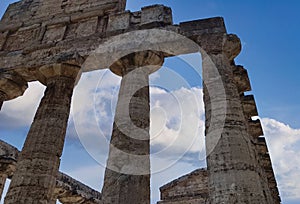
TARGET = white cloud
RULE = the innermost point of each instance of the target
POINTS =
(20, 111)
(176, 128)
(283, 143)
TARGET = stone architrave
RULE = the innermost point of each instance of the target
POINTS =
(35, 178)
(127, 175)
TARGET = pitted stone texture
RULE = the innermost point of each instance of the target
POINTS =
(231, 159)
(12, 86)
(67, 189)
(37, 167)
(265, 162)
(27, 11)
(70, 191)
(157, 14)
(127, 175)
(191, 188)
(255, 132)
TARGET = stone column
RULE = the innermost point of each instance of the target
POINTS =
(127, 175)
(3, 178)
(2, 98)
(231, 160)
(12, 86)
(35, 177)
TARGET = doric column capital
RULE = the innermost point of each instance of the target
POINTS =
(12, 85)
(219, 43)
(231, 46)
(151, 59)
(52, 71)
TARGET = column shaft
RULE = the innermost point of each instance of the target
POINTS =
(232, 165)
(127, 177)
(38, 164)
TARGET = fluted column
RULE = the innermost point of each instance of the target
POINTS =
(231, 160)
(35, 177)
(127, 175)
(12, 86)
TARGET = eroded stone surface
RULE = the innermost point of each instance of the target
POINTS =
(35, 178)
(67, 189)
(191, 188)
(127, 175)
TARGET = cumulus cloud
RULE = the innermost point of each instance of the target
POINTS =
(283, 143)
(177, 121)
(19, 112)
(176, 118)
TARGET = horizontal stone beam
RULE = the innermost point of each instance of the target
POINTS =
(68, 190)
(95, 40)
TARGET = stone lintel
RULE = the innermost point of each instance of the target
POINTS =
(157, 15)
(249, 106)
(119, 21)
(203, 26)
(255, 128)
(66, 189)
(73, 43)
(241, 79)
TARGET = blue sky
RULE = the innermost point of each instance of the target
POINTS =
(269, 31)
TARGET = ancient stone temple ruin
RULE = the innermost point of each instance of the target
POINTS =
(54, 41)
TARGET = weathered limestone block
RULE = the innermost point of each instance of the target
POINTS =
(190, 188)
(22, 38)
(36, 11)
(3, 36)
(87, 27)
(203, 26)
(156, 14)
(54, 33)
(119, 21)
(127, 175)
(35, 178)
(11, 86)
